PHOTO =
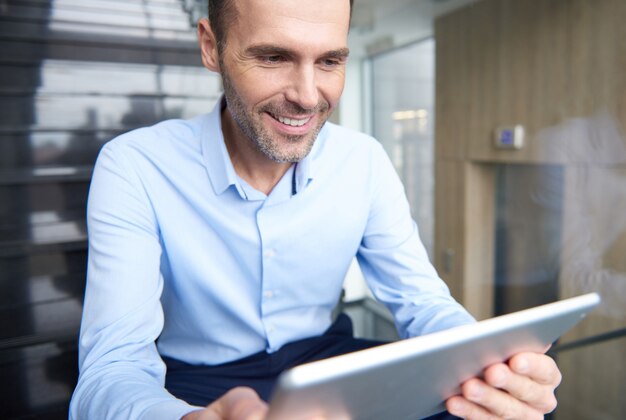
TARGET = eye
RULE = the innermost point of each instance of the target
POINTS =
(272, 59)
(332, 62)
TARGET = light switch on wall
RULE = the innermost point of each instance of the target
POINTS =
(509, 137)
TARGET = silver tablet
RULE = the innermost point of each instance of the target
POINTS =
(411, 379)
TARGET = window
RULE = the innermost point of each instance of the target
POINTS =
(403, 84)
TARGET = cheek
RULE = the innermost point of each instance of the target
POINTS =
(262, 86)
(332, 87)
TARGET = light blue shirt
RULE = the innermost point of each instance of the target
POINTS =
(186, 260)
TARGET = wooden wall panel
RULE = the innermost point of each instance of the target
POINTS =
(465, 261)
(536, 63)
(478, 259)
(559, 68)
(483, 75)
(452, 98)
(449, 225)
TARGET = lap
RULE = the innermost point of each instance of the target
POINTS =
(201, 385)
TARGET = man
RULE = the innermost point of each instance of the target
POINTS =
(226, 237)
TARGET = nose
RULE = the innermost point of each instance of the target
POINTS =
(303, 89)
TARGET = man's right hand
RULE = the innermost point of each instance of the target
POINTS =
(239, 403)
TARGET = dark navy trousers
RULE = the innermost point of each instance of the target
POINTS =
(201, 385)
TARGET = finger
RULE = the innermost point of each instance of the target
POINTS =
(538, 367)
(460, 407)
(497, 402)
(538, 396)
(240, 403)
(245, 404)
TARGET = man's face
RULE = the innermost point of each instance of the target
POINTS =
(283, 70)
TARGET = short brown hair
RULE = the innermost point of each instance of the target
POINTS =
(221, 14)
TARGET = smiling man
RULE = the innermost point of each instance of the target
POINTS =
(279, 91)
(218, 245)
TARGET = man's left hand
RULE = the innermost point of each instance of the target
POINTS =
(522, 388)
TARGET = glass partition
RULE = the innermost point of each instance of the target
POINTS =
(403, 83)
(561, 232)
(529, 213)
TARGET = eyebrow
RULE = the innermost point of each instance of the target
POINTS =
(340, 53)
(266, 49)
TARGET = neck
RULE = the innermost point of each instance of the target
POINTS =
(259, 171)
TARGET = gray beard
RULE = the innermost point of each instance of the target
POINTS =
(257, 134)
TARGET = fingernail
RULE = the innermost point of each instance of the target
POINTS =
(455, 407)
(476, 391)
(522, 365)
(499, 380)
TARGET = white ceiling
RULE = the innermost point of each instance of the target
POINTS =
(381, 24)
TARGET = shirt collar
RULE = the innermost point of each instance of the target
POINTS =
(216, 159)
(220, 168)
(306, 168)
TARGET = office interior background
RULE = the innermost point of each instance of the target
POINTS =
(507, 227)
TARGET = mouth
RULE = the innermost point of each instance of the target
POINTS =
(292, 122)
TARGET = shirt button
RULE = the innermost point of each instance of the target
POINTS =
(268, 294)
(270, 253)
(270, 329)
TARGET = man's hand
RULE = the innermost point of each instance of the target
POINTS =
(523, 388)
(239, 403)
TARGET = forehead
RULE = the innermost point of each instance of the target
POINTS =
(301, 22)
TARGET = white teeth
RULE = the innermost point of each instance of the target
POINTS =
(293, 122)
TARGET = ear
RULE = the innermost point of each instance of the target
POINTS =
(208, 46)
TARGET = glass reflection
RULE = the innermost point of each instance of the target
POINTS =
(593, 152)
(529, 214)
(62, 101)
(561, 232)
(133, 19)
(403, 83)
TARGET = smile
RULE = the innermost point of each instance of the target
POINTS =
(293, 122)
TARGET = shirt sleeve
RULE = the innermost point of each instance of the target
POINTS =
(121, 372)
(395, 264)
